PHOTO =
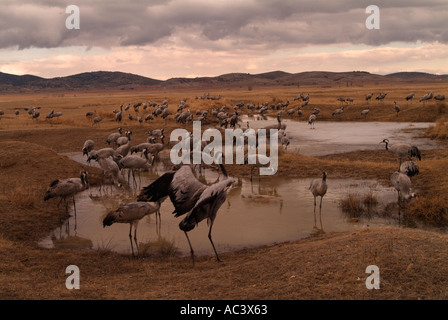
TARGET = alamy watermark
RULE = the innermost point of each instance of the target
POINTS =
(373, 20)
(373, 281)
(73, 20)
(72, 281)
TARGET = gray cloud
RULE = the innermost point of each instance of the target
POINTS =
(256, 24)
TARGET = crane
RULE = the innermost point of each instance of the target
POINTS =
(190, 197)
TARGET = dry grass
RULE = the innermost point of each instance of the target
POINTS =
(439, 130)
(357, 206)
(413, 263)
(160, 248)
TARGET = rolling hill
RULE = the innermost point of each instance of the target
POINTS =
(104, 80)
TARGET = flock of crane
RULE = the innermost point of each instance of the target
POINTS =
(191, 198)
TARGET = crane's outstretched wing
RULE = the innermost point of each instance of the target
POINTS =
(157, 190)
(207, 205)
(185, 190)
(181, 186)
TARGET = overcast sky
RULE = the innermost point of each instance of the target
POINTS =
(188, 38)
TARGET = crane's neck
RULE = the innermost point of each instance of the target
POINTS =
(223, 169)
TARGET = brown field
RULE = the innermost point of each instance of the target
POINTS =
(413, 263)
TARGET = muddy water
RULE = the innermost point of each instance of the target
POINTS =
(337, 137)
(266, 211)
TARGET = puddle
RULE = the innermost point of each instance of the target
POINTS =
(268, 211)
(336, 137)
(263, 212)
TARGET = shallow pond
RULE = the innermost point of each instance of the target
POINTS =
(330, 137)
(265, 211)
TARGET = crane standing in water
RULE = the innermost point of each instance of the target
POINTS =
(191, 197)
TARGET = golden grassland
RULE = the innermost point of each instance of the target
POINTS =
(413, 263)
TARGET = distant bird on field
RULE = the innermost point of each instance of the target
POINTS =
(439, 97)
(338, 111)
(311, 120)
(397, 107)
(90, 113)
(369, 96)
(97, 120)
(427, 97)
(403, 150)
(381, 96)
(131, 213)
(365, 112)
(410, 96)
(284, 140)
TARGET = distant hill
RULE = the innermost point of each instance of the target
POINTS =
(99, 80)
(13, 80)
(104, 80)
(417, 76)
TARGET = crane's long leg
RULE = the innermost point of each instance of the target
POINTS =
(210, 238)
(191, 248)
(320, 214)
(59, 213)
(130, 239)
(74, 206)
(135, 240)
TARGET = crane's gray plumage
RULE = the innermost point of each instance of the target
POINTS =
(410, 96)
(109, 166)
(397, 107)
(113, 137)
(403, 150)
(97, 120)
(402, 183)
(311, 120)
(338, 111)
(88, 146)
(131, 213)
(121, 140)
(101, 153)
(66, 188)
(427, 97)
(409, 168)
(134, 164)
(365, 112)
(189, 196)
(318, 188)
